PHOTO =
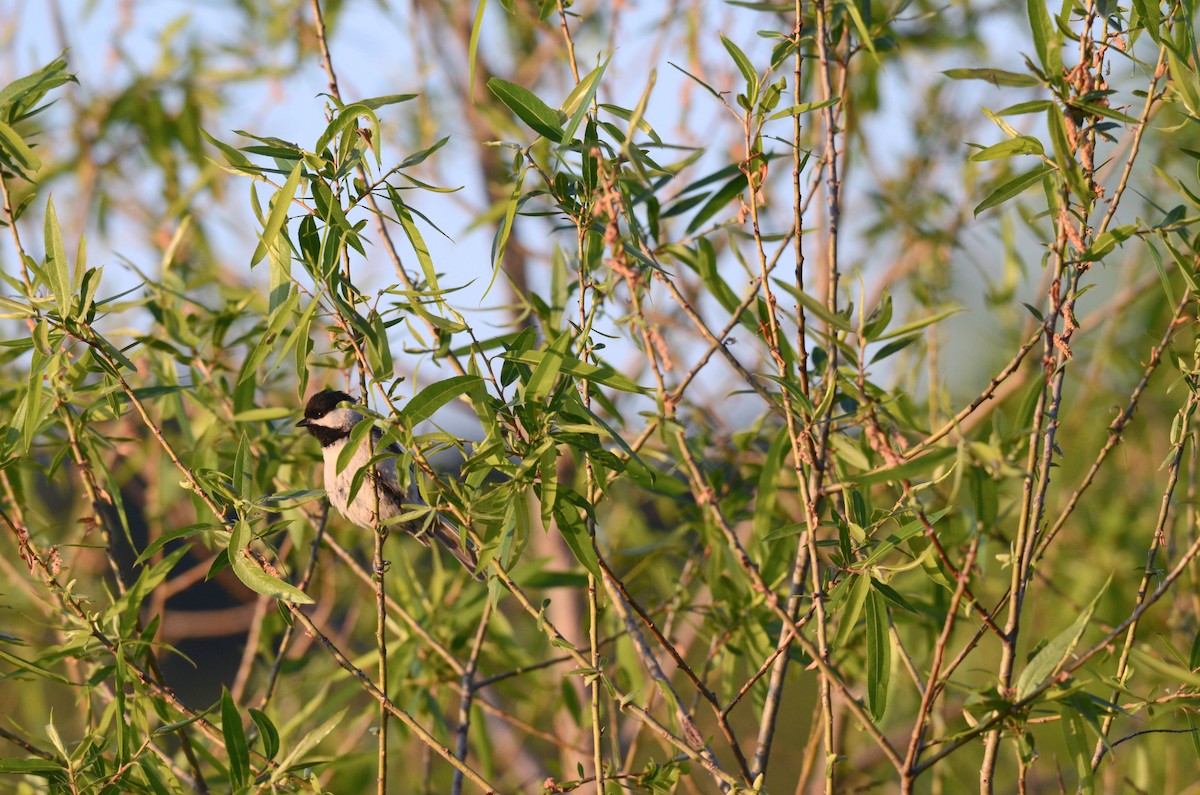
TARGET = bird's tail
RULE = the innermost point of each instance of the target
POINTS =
(447, 535)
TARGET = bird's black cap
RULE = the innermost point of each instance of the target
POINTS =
(321, 404)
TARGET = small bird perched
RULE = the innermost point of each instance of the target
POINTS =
(331, 424)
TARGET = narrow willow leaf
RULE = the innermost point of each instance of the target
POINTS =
(353, 442)
(859, 588)
(1149, 13)
(768, 485)
(505, 227)
(1013, 187)
(1078, 745)
(548, 475)
(278, 214)
(346, 122)
(600, 374)
(264, 414)
(997, 77)
(812, 305)
(541, 380)
(243, 469)
(1170, 671)
(717, 202)
(528, 108)
(238, 161)
(57, 265)
(1055, 653)
(803, 107)
(574, 532)
(15, 309)
(433, 397)
(1040, 26)
(1022, 145)
(579, 101)
(306, 742)
(235, 742)
(879, 655)
(1105, 243)
(415, 239)
(743, 64)
(267, 733)
(860, 26)
(903, 471)
(473, 45)
(916, 325)
(14, 144)
(255, 578)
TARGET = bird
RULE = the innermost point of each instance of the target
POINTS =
(330, 423)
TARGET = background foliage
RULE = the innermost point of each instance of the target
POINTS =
(816, 378)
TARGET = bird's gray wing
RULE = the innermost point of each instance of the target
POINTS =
(445, 533)
(385, 470)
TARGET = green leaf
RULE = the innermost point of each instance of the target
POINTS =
(1045, 42)
(768, 485)
(743, 64)
(1172, 672)
(916, 325)
(415, 239)
(1055, 653)
(832, 321)
(600, 374)
(574, 532)
(278, 214)
(879, 655)
(238, 161)
(235, 742)
(267, 733)
(579, 101)
(541, 380)
(997, 77)
(15, 145)
(903, 471)
(548, 475)
(22, 664)
(1149, 14)
(243, 469)
(528, 108)
(1079, 747)
(264, 414)
(473, 45)
(859, 588)
(433, 397)
(1013, 187)
(915, 527)
(353, 442)
(30, 767)
(505, 227)
(57, 265)
(1105, 243)
(803, 107)
(386, 99)
(1022, 145)
(23, 93)
(255, 578)
(1033, 106)
(860, 26)
(717, 202)
(15, 309)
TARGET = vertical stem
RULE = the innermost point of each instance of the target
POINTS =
(380, 565)
(468, 696)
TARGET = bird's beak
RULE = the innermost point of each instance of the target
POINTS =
(302, 423)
